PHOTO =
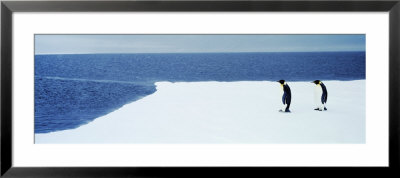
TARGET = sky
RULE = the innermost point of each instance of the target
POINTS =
(89, 44)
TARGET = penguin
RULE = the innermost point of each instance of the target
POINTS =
(320, 95)
(286, 97)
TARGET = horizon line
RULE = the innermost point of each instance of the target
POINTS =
(199, 52)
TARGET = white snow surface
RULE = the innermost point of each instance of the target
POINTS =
(243, 112)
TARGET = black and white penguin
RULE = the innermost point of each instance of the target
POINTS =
(286, 97)
(320, 95)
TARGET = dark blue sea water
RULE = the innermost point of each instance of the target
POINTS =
(71, 90)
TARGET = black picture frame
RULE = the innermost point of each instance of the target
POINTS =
(8, 7)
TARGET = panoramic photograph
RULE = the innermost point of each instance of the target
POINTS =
(200, 89)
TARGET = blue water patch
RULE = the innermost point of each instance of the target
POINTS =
(66, 104)
(71, 90)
